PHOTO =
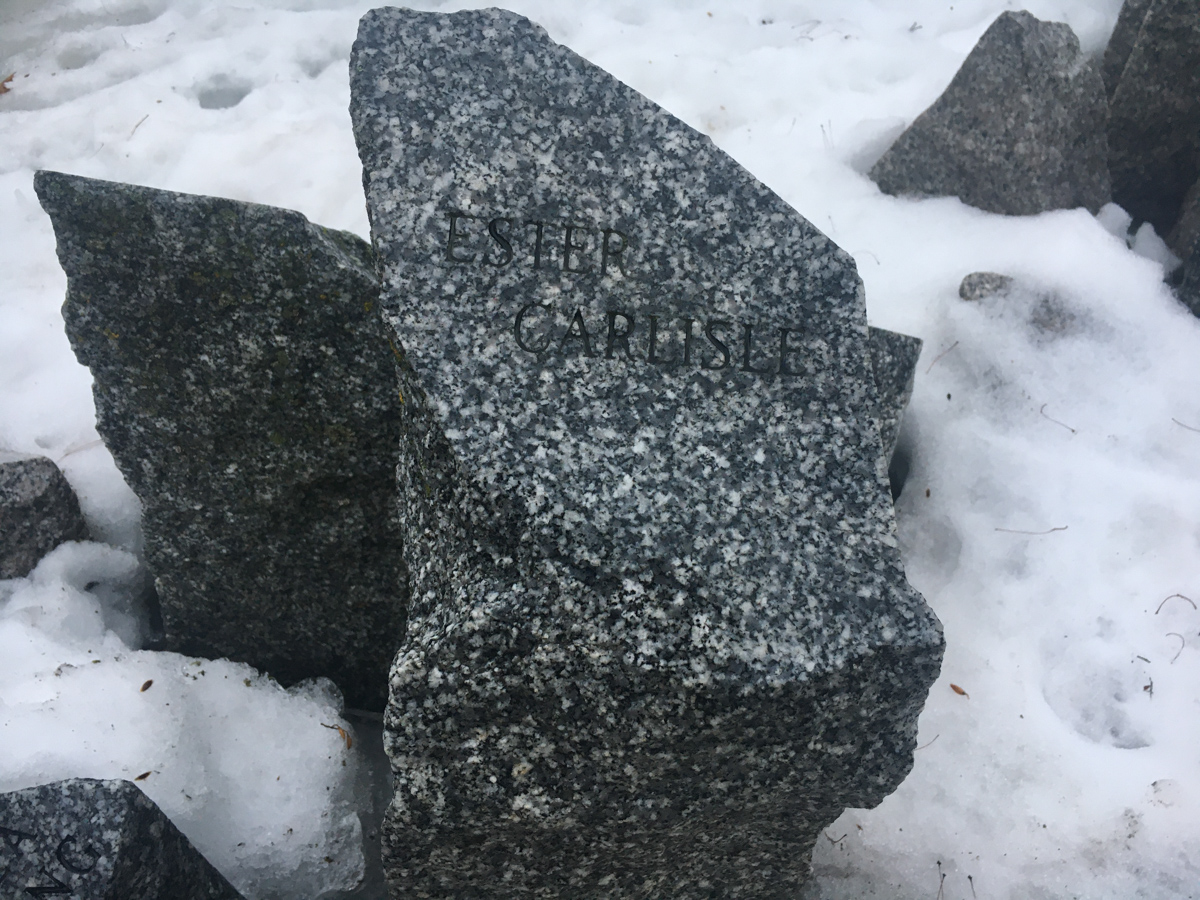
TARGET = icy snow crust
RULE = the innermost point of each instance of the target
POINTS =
(1055, 431)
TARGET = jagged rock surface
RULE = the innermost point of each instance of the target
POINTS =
(38, 511)
(1019, 130)
(243, 383)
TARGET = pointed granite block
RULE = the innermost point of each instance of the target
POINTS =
(659, 632)
(243, 386)
(1019, 130)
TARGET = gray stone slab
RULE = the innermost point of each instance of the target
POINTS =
(894, 361)
(38, 511)
(98, 840)
(1154, 119)
(245, 386)
(1121, 42)
(660, 632)
(1019, 130)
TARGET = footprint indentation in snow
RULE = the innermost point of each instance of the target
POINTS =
(76, 56)
(221, 92)
(1095, 697)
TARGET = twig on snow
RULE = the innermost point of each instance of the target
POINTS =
(940, 355)
(1172, 597)
(1182, 643)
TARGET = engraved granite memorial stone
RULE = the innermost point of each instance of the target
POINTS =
(243, 386)
(98, 840)
(660, 634)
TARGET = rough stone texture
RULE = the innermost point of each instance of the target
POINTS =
(1020, 129)
(660, 633)
(978, 285)
(1122, 41)
(894, 361)
(38, 511)
(1186, 233)
(1189, 286)
(245, 387)
(98, 840)
(1154, 119)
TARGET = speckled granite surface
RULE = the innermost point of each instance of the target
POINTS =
(660, 634)
(38, 511)
(1019, 130)
(1122, 40)
(244, 384)
(98, 840)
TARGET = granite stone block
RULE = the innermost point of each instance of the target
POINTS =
(894, 363)
(98, 840)
(659, 630)
(38, 511)
(1019, 130)
(1154, 117)
(244, 385)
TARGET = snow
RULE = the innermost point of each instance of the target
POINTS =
(1051, 516)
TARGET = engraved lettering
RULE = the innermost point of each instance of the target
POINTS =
(48, 890)
(747, 344)
(455, 238)
(505, 246)
(539, 230)
(610, 253)
(615, 337)
(709, 333)
(13, 838)
(652, 356)
(570, 248)
(544, 330)
(783, 352)
(581, 334)
(61, 855)
(517, 328)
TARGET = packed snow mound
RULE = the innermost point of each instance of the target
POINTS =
(261, 779)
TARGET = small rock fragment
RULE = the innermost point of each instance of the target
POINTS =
(1020, 129)
(38, 511)
(978, 285)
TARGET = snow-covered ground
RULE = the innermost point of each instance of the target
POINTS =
(1051, 518)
